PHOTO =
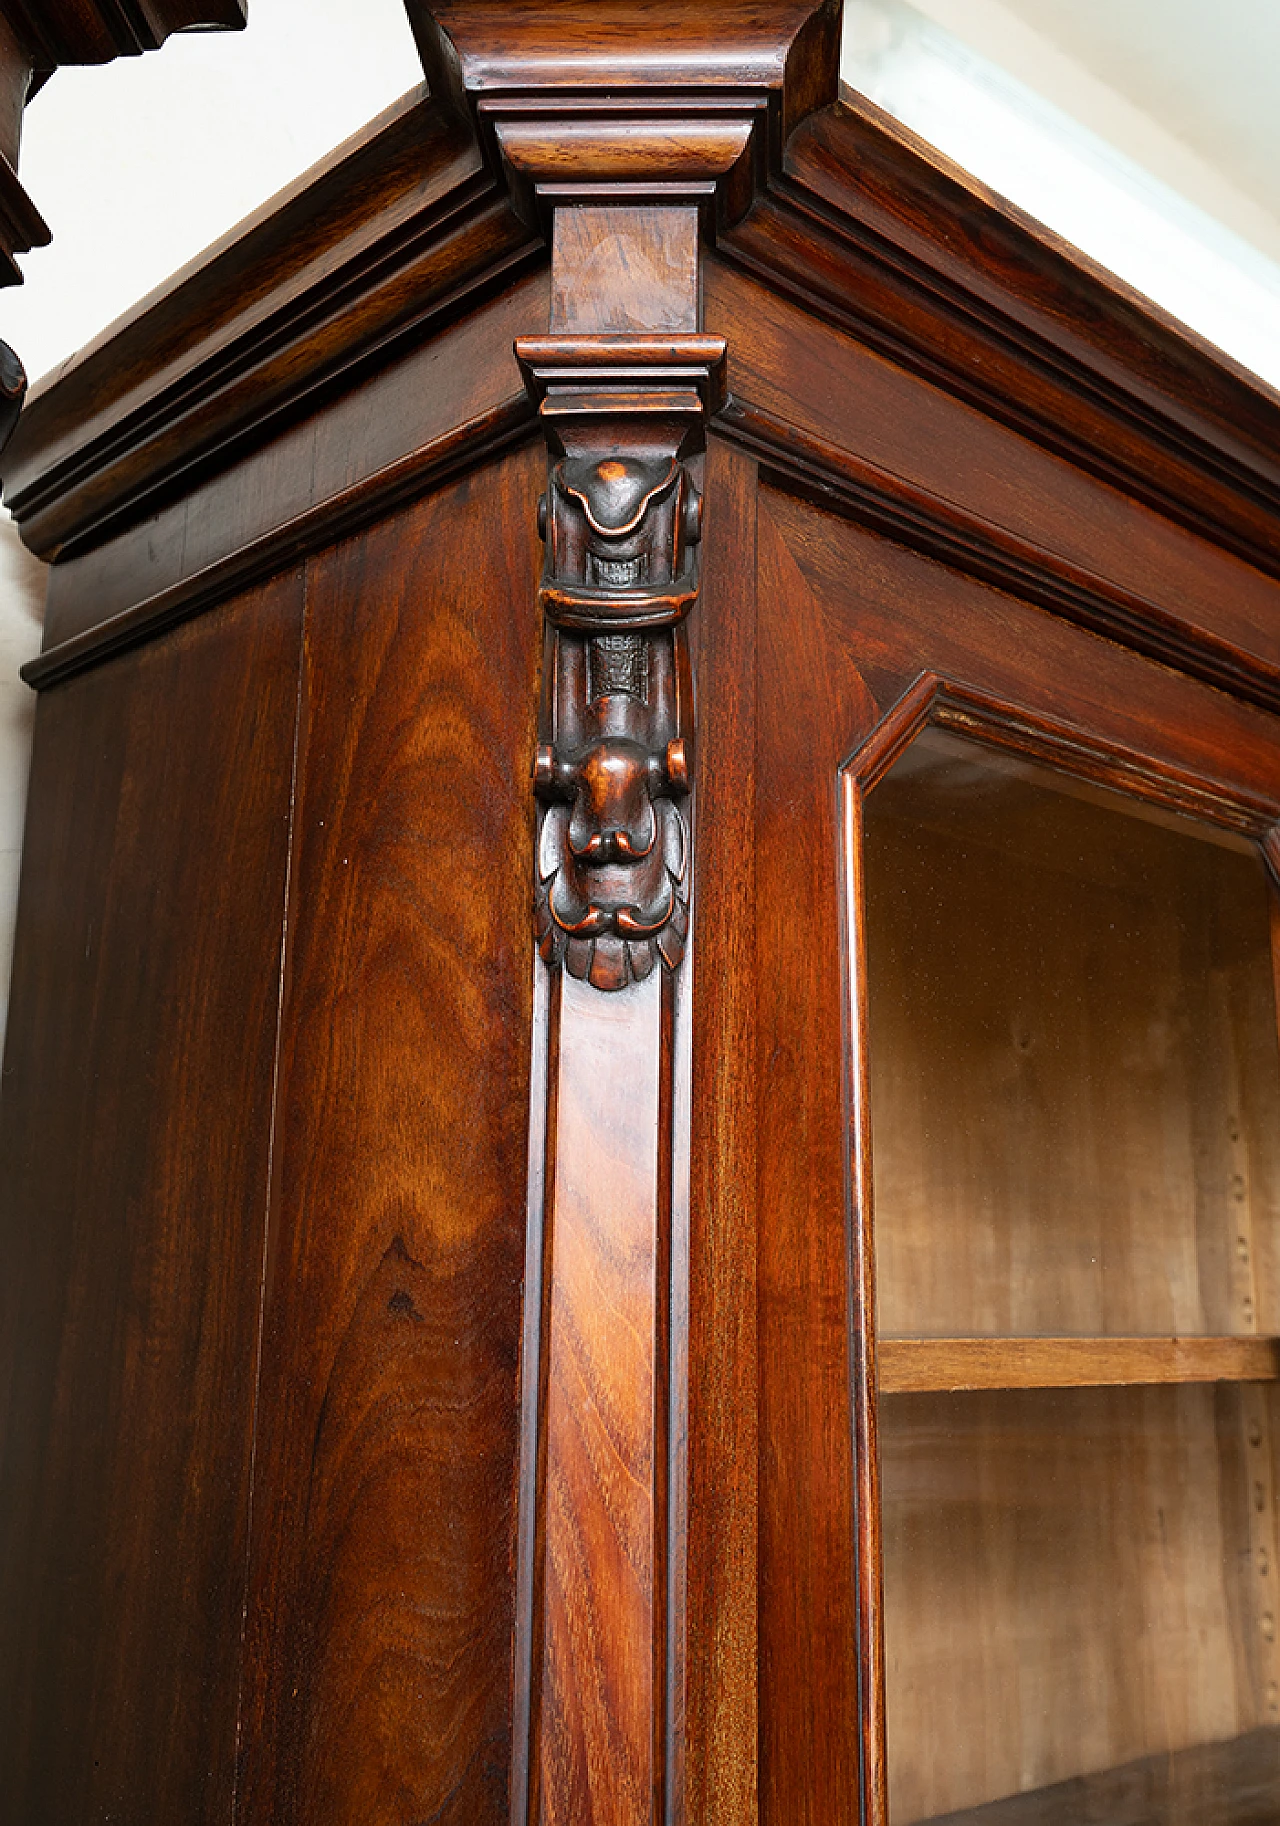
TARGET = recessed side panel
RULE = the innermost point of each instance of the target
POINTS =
(135, 1124)
(379, 1682)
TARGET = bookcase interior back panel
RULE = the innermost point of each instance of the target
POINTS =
(1071, 1590)
(1076, 1088)
(1075, 1094)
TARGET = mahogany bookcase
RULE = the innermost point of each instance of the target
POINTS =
(656, 714)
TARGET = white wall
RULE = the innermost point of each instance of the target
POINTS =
(21, 609)
(1081, 156)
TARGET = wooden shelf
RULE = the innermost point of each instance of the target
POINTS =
(931, 1365)
(1229, 1784)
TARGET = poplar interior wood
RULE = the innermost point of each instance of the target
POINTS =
(1075, 1091)
(923, 1365)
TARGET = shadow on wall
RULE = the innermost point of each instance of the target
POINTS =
(22, 587)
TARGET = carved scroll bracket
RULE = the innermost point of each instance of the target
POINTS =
(622, 521)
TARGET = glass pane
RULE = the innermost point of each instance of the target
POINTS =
(1075, 1098)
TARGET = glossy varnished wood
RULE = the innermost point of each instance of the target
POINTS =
(609, 1553)
(786, 49)
(854, 618)
(604, 1659)
(135, 1134)
(391, 235)
(89, 31)
(440, 409)
(809, 701)
(1030, 504)
(599, 1649)
(379, 1675)
(721, 1736)
(877, 231)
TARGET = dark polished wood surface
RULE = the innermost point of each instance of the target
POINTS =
(37, 37)
(847, 621)
(437, 411)
(378, 1672)
(553, 1494)
(392, 236)
(96, 31)
(135, 1134)
(722, 1697)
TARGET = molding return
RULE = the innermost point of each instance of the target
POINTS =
(801, 463)
(624, 418)
(660, 106)
(335, 516)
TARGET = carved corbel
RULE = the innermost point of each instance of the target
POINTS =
(622, 521)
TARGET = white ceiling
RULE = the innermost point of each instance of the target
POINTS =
(1208, 70)
(1145, 132)
(1187, 89)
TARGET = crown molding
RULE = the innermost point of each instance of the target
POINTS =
(881, 235)
(634, 102)
(446, 198)
(58, 32)
(386, 241)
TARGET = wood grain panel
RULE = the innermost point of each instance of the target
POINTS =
(920, 1365)
(616, 270)
(134, 1129)
(600, 1659)
(811, 699)
(380, 1679)
(1059, 1589)
(722, 1755)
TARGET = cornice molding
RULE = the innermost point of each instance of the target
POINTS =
(435, 463)
(637, 101)
(447, 198)
(61, 32)
(389, 239)
(879, 234)
(802, 464)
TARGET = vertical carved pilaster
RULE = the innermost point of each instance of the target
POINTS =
(627, 134)
(624, 416)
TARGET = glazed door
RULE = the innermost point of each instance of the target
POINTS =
(1014, 1193)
